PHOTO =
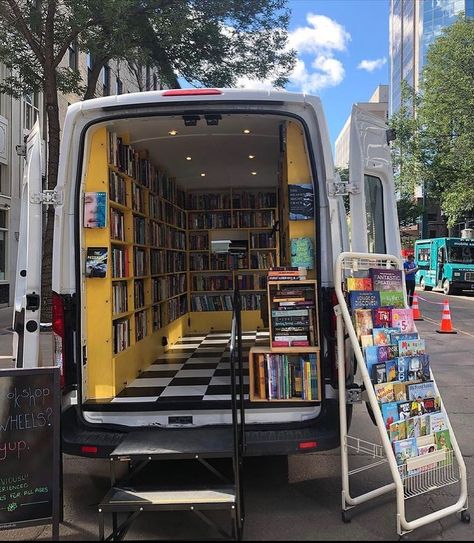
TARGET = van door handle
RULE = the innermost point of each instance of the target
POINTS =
(32, 301)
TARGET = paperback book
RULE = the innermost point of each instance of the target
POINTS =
(96, 262)
(398, 430)
(363, 322)
(385, 279)
(403, 320)
(400, 391)
(359, 283)
(360, 299)
(389, 413)
(384, 392)
(404, 449)
(422, 390)
(411, 347)
(437, 422)
(95, 212)
(393, 298)
(381, 317)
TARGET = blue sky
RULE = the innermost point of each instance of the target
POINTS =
(333, 39)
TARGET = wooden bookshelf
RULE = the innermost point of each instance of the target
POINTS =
(264, 369)
(249, 215)
(304, 295)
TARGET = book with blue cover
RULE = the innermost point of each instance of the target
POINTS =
(364, 299)
(397, 336)
(391, 370)
(423, 390)
(389, 413)
(411, 347)
(404, 449)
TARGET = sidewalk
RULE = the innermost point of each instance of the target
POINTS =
(6, 336)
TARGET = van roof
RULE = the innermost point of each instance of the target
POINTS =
(190, 95)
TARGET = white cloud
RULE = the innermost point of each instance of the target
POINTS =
(319, 40)
(371, 65)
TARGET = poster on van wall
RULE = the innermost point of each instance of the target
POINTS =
(95, 209)
(301, 202)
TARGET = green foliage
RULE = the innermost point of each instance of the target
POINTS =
(408, 211)
(447, 118)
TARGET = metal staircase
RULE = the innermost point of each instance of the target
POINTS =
(143, 449)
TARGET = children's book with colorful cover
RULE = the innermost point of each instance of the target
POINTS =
(364, 299)
(400, 391)
(404, 410)
(397, 336)
(381, 336)
(423, 390)
(389, 413)
(432, 405)
(384, 392)
(425, 367)
(422, 451)
(366, 340)
(393, 298)
(386, 279)
(443, 439)
(398, 430)
(363, 322)
(404, 449)
(359, 283)
(403, 320)
(386, 352)
(417, 407)
(411, 347)
(413, 429)
(371, 358)
(437, 422)
(391, 370)
(381, 317)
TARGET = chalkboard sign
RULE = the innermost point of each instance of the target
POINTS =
(301, 202)
(29, 448)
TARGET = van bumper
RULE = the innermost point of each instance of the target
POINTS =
(321, 434)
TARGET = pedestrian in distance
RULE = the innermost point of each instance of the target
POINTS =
(410, 269)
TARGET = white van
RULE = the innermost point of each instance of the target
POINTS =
(166, 201)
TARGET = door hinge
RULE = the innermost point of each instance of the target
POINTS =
(47, 197)
(343, 188)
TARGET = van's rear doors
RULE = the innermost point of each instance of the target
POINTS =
(26, 316)
(374, 221)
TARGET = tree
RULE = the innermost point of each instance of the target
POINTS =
(446, 114)
(205, 42)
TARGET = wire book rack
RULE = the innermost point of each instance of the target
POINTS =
(418, 475)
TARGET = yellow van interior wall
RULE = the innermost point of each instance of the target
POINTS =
(107, 374)
(299, 173)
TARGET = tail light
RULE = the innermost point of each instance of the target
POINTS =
(58, 335)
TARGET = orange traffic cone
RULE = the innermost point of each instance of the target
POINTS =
(446, 326)
(415, 309)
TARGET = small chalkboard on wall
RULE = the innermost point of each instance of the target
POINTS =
(29, 448)
(301, 202)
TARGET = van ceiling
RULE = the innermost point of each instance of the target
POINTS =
(221, 152)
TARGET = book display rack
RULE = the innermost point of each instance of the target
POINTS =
(417, 440)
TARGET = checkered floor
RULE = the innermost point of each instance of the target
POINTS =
(196, 368)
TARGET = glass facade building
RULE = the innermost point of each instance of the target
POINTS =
(414, 26)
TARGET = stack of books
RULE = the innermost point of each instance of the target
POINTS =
(287, 273)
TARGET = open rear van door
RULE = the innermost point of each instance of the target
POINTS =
(373, 217)
(26, 315)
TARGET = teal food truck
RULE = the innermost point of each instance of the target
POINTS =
(445, 263)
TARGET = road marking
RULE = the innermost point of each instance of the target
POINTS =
(457, 329)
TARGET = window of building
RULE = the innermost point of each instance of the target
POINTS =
(3, 244)
(73, 56)
(4, 181)
(106, 80)
(374, 213)
(30, 110)
(118, 86)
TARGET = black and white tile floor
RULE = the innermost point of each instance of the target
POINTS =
(196, 368)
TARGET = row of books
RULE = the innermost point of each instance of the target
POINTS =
(163, 288)
(121, 335)
(117, 188)
(167, 212)
(198, 240)
(163, 261)
(138, 199)
(287, 273)
(253, 219)
(139, 262)
(262, 260)
(253, 200)
(140, 325)
(208, 201)
(139, 293)
(383, 287)
(117, 228)
(120, 265)
(176, 307)
(366, 321)
(283, 377)
(262, 240)
(209, 220)
(119, 298)
(239, 200)
(162, 235)
(223, 302)
(159, 316)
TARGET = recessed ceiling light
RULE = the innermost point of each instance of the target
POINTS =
(188, 158)
(251, 156)
(253, 173)
(246, 131)
(172, 132)
(203, 175)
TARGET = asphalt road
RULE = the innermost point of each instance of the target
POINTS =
(300, 499)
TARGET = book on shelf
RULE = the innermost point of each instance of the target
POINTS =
(384, 392)
(382, 336)
(396, 336)
(364, 299)
(391, 370)
(405, 449)
(386, 279)
(95, 209)
(389, 413)
(363, 322)
(404, 410)
(423, 390)
(382, 317)
(403, 320)
(411, 347)
(289, 376)
(359, 283)
(443, 439)
(366, 340)
(400, 391)
(398, 430)
(432, 405)
(437, 422)
(379, 373)
(96, 262)
(394, 298)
